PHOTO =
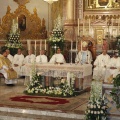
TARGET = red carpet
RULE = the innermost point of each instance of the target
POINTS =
(39, 99)
(18, 100)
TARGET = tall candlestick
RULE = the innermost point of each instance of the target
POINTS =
(78, 27)
(35, 45)
(83, 26)
(45, 44)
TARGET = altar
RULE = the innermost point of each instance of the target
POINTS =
(62, 70)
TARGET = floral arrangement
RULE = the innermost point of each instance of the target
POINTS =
(36, 87)
(13, 41)
(13, 38)
(57, 36)
(97, 105)
(115, 93)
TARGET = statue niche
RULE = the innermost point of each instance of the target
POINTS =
(22, 22)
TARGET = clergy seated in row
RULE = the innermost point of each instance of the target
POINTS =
(18, 61)
(9, 56)
(6, 68)
(84, 56)
(30, 58)
(42, 58)
(58, 58)
(113, 68)
(100, 65)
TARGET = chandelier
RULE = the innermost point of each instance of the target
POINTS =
(50, 1)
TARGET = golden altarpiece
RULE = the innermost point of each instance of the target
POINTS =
(92, 20)
(34, 27)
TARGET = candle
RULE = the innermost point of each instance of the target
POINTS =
(35, 45)
(118, 28)
(89, 26)
(76, 44)
(45, 44)
(17, 23)
(78, 27)
(28, 44)
(112, 28)
(71, 44)
(40, 44)
(81, 45)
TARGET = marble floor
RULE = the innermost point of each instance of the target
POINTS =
(10, 113)
(7, 112)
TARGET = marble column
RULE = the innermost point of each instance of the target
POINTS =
(70, 10)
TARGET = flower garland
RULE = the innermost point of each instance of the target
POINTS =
(97, 105)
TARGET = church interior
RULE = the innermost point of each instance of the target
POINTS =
(74, 69)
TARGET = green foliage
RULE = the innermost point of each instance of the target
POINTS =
(116, 90)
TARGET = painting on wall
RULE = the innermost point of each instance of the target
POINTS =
(22, 22)
(103, 2)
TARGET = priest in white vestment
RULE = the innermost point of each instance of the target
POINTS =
(29, 59)
(42, 58)
(18, 62)
(57, 57)
(100, 65)
(6, 68)
(9, 56)
(84, 56)
(113, 68)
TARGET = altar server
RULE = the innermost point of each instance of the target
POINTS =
(57, 57)
(100, 65)
(6, 68)
(113, 68)
(42, 58)
(18, 61)
(84, 56)
(9, 56)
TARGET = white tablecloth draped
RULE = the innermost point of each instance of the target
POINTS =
(55, 70)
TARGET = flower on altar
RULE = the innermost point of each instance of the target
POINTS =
(36, 87)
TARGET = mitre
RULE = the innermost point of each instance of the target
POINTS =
(84, 44)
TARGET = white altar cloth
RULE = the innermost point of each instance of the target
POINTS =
(56, 70)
